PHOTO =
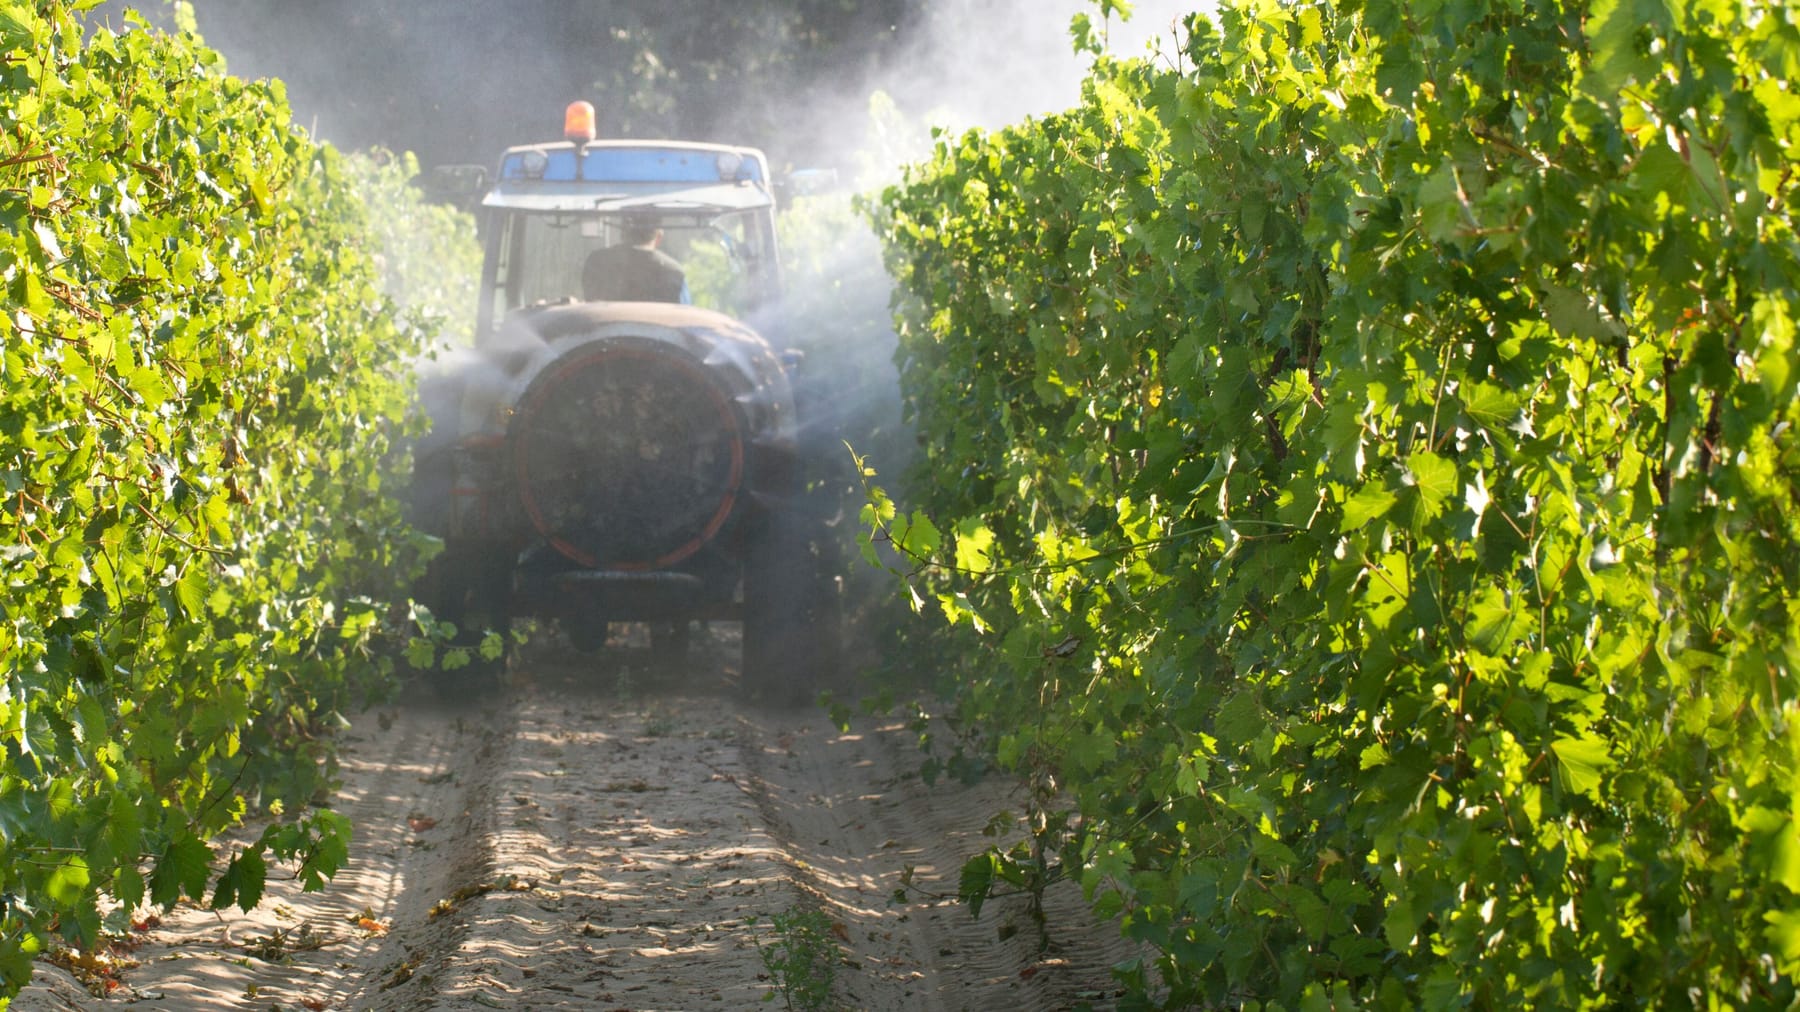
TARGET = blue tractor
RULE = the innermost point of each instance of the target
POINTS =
(620, 445)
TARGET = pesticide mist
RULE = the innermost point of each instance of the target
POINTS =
(859, 92)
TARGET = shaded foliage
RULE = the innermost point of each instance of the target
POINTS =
(1368, 452)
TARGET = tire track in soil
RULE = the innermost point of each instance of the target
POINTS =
(414, 776)
(593, 840)
(854, 815)
(630, 859)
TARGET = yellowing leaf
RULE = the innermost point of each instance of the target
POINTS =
(973, 542)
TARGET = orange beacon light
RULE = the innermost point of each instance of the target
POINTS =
(578, 122)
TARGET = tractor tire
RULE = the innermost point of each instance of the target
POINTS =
(792, 614)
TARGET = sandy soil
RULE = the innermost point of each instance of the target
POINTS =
(594, 838)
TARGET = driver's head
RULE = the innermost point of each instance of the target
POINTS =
(638, 234)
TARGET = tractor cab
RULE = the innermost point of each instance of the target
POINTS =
(559, 213)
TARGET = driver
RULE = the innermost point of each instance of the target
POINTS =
(634, 271)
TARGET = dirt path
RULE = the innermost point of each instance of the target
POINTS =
(594, 840)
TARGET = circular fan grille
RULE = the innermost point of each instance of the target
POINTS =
(627, 457)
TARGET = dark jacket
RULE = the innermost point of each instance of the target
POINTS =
(632, 274)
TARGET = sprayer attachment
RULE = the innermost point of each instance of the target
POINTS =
(627, 456)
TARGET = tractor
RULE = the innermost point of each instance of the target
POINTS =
(619, 445)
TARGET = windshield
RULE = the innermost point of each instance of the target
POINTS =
(722, 261)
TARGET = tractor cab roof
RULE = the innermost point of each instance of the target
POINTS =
(631, 176)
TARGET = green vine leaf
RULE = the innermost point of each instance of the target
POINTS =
(1370, 502)
(1401, 415)
(203, 537)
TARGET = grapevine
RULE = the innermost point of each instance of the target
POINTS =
(201, 427)
(1465, 339)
